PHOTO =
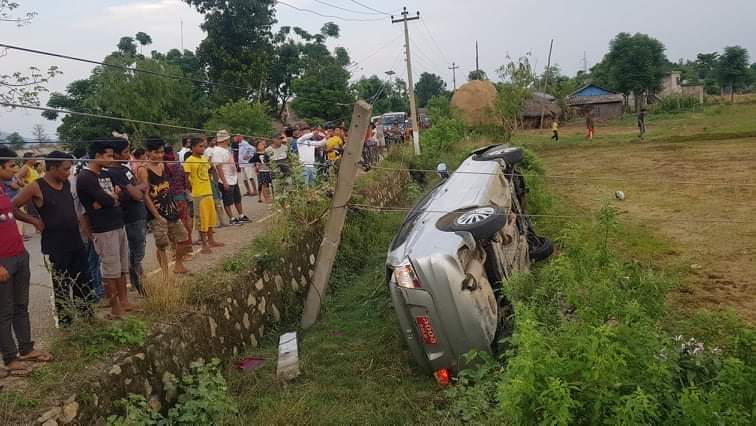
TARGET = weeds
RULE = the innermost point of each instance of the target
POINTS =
(202, 399)
(98, 339)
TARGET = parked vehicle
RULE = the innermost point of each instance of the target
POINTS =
(453, 254)
(393, 127)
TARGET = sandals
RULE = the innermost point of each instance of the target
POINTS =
(21, 370)
(37, 356)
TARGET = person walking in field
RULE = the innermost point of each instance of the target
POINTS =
(555, 129)
(61, 240)
(642, 123)
(590, 125)
(197, 167)
(165, 222)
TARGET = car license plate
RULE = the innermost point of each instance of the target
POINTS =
(424, 325)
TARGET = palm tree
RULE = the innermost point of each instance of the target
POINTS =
(144, 39)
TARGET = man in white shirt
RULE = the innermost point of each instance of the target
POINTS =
(246, 152)
(306, 146)
(228, 179)
(185, 149)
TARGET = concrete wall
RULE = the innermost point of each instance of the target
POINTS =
(223, 326)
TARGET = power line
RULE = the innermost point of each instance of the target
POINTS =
(591, 178)
(133, 69)
(328, 16)
(370, 8)
(380, 209)
(107, 117)
(378, 50)
(433, 39)
(122, 67)
(345, 9)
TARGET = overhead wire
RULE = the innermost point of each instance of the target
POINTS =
(370, 8)
(328, 16)
(143, 71)
(433, 41)
(346, 9)
(380, 209)
(129, 120)
(375, 52)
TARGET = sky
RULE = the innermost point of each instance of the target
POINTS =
(446, 33)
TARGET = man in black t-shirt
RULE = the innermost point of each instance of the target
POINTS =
(101, 201)
(131, 198)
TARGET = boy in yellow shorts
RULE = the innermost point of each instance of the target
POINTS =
(197, 168)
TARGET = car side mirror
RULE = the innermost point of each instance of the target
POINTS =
(442, 170)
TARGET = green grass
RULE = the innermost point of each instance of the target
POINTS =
(355, 367)
(715, 122)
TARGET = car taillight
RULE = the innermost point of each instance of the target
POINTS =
(443, 378)
(426, 330)
(405, 277)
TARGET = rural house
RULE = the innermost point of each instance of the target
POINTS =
(535, 106)
(673, 85)
(603, 103)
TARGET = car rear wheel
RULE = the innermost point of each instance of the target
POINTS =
(482, 222)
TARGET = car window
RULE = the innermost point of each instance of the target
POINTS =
(409, 222)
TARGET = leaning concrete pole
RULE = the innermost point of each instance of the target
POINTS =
(336, 218)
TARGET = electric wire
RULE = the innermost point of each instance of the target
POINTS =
(328, 16)
(155, 73)
(380, 209)
(370, 8)
(433, 40)
(346, 9)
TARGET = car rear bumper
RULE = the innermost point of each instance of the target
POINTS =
(456, 322)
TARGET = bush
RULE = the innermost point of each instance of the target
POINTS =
(589, 348)
(203, 399)
(678, 104)
(242, 117)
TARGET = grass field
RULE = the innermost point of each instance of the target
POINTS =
(682, 185)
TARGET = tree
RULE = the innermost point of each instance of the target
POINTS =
(512, 93)
(22, 87)
(323, 92)
(237, 50)
(39, 133)
(477, 75)
(384, 95)
(428, 86)
(732, 68)
(144, 39)
(127, 46)
(635, 64)
(15, 141)
(143, 96)
(242, 117)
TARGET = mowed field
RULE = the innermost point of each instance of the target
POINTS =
(697, 197)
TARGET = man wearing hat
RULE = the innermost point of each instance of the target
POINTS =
(228, 178)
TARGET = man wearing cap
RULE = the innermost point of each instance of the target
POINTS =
(228, 179)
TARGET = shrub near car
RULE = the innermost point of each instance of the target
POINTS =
(451, 256)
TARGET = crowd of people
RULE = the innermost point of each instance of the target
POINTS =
(94, 211)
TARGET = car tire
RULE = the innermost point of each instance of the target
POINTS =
(510, 154)
(482, 222)
(539, 248)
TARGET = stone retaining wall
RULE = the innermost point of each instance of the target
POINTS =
(225, 326)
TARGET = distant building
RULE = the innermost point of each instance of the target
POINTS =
(602, 103)
(540, 104)
(673, 85)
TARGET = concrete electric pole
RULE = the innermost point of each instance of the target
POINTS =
(454, 69)
(411, 89)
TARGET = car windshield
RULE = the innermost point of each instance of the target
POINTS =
(411, 219)
(392, 119)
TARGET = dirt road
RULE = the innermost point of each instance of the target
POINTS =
(660, 182)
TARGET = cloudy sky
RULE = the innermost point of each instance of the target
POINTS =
(446, 32)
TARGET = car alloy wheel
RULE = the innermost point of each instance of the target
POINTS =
(476, 216)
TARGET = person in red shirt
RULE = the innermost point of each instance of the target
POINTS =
(14, 283)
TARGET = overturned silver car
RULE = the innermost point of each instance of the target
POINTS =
(447, 263)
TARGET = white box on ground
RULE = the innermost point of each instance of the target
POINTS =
(288, 357)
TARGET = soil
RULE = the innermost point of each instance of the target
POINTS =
(662, 190)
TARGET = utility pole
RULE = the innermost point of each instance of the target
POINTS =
(454, 69)
(182, 37)
(585, 62)
(337, 216)
(477, 63)
(546, 79)
(413, 107)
